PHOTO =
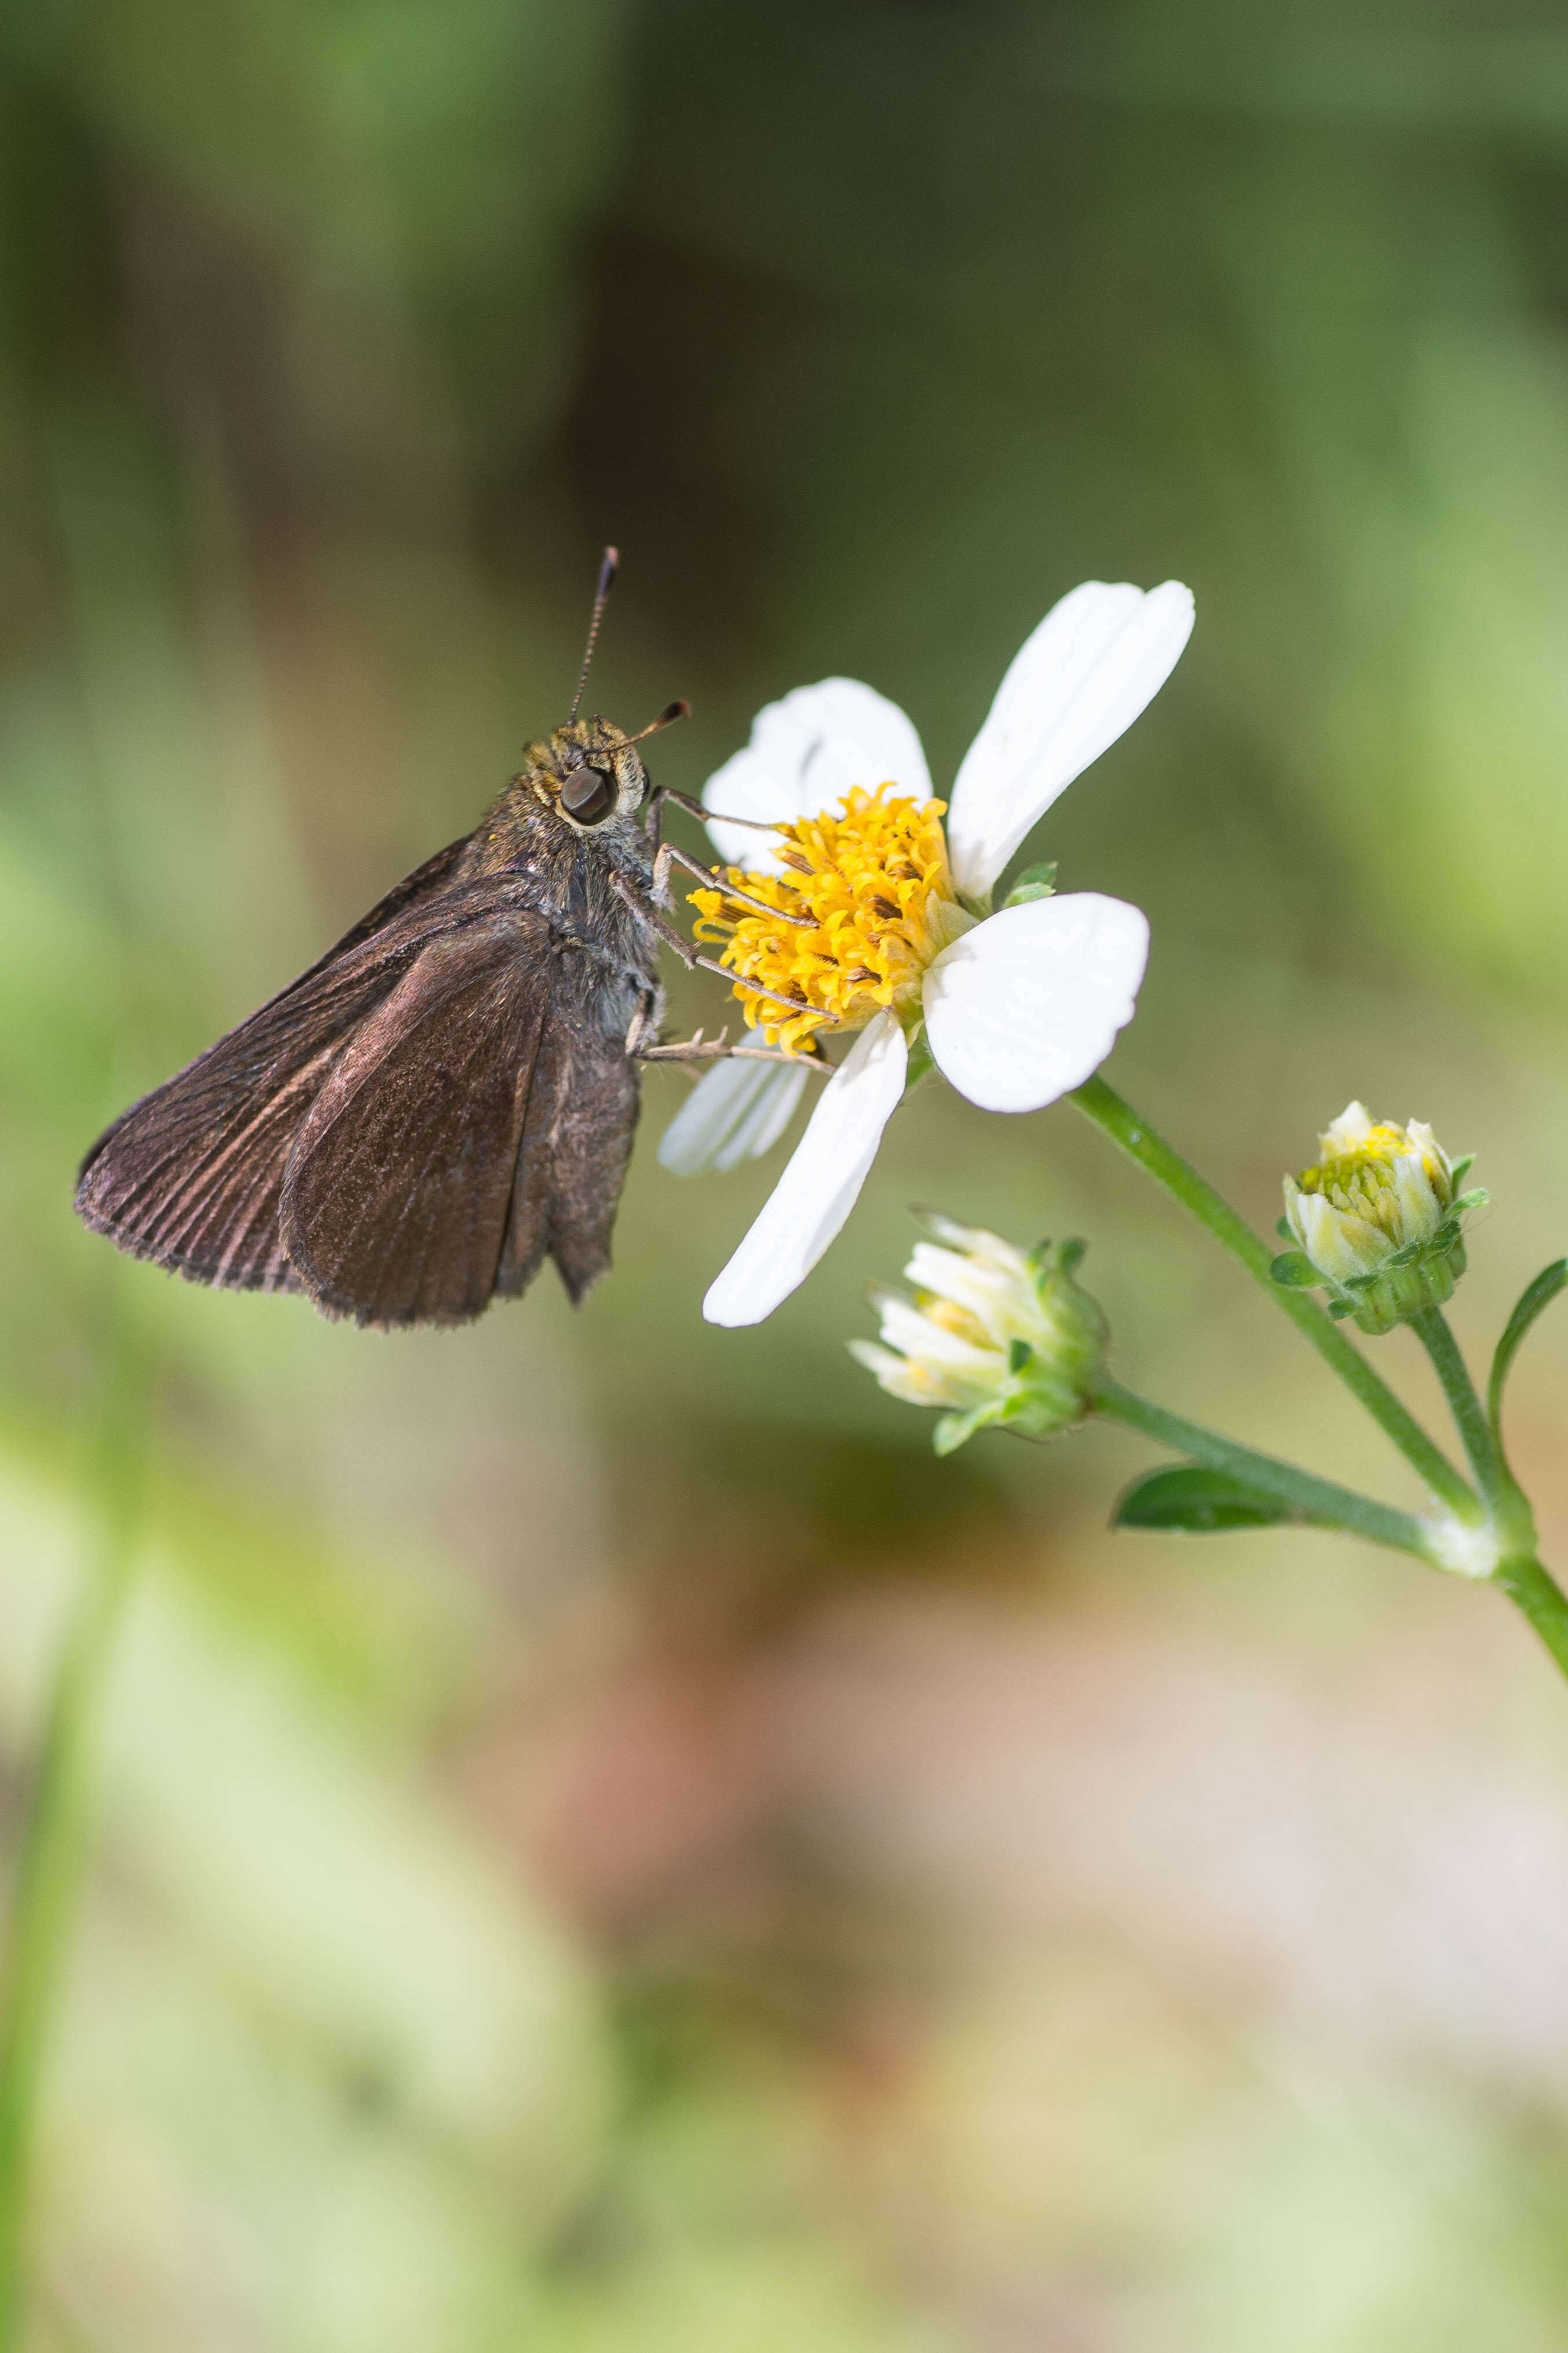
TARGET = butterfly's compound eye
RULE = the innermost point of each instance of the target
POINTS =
(588, 795)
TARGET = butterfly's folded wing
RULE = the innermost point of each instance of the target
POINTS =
(476, 1120)
(576, 1146)
(407, 1130)
(192, 1175)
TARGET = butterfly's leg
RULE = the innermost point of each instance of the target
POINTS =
(642, 1022)
(662, 793)
(658, 919)
(688, 955)
(698, 1048)
(669, 855)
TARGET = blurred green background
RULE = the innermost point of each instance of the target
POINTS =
(606, 1845)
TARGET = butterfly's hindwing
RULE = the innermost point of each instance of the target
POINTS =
(399, 1191)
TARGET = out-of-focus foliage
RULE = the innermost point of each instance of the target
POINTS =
(606, 1844)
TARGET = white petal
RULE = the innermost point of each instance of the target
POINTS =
(914, 1383)
(817, 1190)
(1347, 1134)
(1338, 1242)
(804, 755)
(983, 1291)
(1078, 682)
(735, 1112)
(916, 1336)
(1420, 1206)
(1030, 1002)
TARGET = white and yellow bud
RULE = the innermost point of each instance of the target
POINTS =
(1378, 1220)
(990, 1335)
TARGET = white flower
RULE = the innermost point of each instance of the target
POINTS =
(1017, 1006)
(992, 1335)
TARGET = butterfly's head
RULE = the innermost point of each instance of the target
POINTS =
(593, 771)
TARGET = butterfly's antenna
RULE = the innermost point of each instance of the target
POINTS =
(667, 718)
(607, 571)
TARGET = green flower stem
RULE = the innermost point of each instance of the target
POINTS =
(56, 1834)
(1503, 1499)
(1541, 1599)
(1102, 1104)
(1316, 1501)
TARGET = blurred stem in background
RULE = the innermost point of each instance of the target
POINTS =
(57, 1836)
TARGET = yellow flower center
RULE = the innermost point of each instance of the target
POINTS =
(872, 903)
(1363, 1181)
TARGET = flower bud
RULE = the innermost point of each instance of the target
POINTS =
(991, 1334)
(1378, 1220)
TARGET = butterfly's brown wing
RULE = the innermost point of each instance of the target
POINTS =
(577, 1142)
(409, 1130)
(192, 1175)
(476, 1120)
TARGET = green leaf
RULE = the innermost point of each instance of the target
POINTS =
(1532, 1299)
(1034, 882)
(1295, 1270)
(1197, 1503)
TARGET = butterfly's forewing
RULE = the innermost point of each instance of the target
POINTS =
(192, 1176)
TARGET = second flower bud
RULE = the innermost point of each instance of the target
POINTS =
(1378, 1220)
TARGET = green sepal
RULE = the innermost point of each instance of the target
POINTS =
(1459, 1169)
(1535, 1296)
(1034, 882)
(954, 1429)
(921, 1064)
(1193, 1501)
(1071, 1253)
(1295, 1271)
(1285, 1230)
(1476, 1199)
(1019, 1355)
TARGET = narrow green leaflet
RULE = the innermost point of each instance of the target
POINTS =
(1537, 1296)
(1197, 1501)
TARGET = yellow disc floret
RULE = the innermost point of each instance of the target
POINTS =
(866, 903)
(1396, 1178)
